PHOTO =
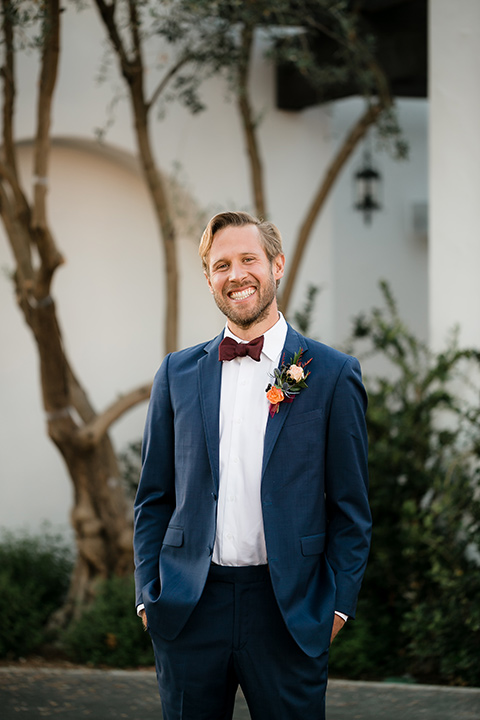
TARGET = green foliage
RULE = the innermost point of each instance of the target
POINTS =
(30, 21)
(130, 463)
(209, 37)
(420, 604)
(389, 136)
(109, 632)
(362, 650)
(34, 578)
(302, 319)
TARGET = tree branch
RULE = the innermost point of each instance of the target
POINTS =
(92, 433)
(107, 13)
(166, 79)
(135, 30)
(48, 77)
(19, 240)
(249, 129)
(78, 397)
(14, 207)
(8, 75)
(355, 135)
(133, 72)
(50, 256)
(8, 174)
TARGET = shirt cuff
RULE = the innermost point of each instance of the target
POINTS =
(342, 615)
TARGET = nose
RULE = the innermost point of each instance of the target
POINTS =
(237, 272)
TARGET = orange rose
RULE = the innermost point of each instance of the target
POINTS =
(275, 395)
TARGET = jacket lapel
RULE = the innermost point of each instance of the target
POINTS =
(293, 343)
(209, 379)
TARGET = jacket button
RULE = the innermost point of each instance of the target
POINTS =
(209, 551)
(214, 497)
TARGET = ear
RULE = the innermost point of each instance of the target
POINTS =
(278, 267)
(208, 281)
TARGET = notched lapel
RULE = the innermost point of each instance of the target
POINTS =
(293, 343)
(209, 378)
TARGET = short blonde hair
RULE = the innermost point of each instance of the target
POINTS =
(269, 233)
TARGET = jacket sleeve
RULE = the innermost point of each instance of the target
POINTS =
(155, 498)
(346, 488)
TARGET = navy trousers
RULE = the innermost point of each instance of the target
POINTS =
(237, 636)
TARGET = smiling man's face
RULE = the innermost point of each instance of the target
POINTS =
(242, 280)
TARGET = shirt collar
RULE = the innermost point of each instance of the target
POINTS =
(274, 339)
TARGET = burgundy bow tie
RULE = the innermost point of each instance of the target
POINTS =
(230, 348)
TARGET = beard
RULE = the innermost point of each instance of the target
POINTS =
(247, 318)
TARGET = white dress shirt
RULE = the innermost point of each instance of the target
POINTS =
(240, 538)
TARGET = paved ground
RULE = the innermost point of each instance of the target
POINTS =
(77, 694)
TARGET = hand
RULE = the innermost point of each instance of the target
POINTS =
(143, 615)
(338, 623)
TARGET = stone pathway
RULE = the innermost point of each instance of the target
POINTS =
(79, 694)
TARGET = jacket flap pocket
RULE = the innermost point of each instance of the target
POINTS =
(313, 544)
(174, 537)
(305, 417)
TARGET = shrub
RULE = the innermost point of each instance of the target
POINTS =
(130, 462)
(421, 591)
(109, 632)
(34, 579)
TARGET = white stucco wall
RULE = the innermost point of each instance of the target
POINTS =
(390, 248)
(110, 292)
(455, 170)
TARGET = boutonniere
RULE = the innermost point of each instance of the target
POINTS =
(288, 381)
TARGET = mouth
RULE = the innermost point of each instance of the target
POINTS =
(241, 294)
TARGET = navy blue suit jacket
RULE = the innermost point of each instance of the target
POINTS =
(314, 491)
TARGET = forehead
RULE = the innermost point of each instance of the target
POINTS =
(231, 241)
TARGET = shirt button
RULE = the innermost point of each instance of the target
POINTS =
(229, 536)
(231, 498)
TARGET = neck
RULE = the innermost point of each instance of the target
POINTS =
(257, 329)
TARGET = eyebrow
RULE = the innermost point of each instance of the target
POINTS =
(243, 254)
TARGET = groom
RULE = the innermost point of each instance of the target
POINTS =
(252, 523)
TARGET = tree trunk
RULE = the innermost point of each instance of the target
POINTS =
(100, 517)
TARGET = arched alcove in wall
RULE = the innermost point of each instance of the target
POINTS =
(110, 300)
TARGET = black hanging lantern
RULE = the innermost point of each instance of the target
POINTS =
(367, 188)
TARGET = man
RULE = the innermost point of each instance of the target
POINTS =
(252, 523)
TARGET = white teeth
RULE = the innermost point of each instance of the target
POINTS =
(242, 294)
